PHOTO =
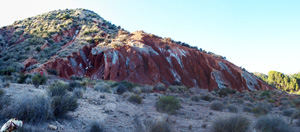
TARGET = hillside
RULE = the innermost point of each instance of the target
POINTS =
(80, 43)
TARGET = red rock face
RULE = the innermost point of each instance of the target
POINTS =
(29, 62)
(145, 60)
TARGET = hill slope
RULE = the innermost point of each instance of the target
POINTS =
(81, 43)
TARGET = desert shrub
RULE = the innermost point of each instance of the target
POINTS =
(283, 98)
(102, 87)
(177, 89)
(73, 77)
(135, 99)
(259, 110)
(38, 49)
(4, 101)
(58, 89)
(248, 98)
(121, 89)
(168, 104)
(96, 127)
(272, 124)
(206, 98)
(247, 109)
(33, 109)
(31, 128)
(285, 102)
(137, 90)
(232, 108)
(217, 105)
(147, 88)
(225, 91)
(6, 84)
(157, 126)
(195, 98)
(298, 123)
(128, 85)
(160, 87)
(22, 78)
(74, 84)
(38, 80)
(52, 71)
(62, 104)
(265, 93)
(236, 123)
(296, 101)
(2, 93)
(288, 112)
(78, 93)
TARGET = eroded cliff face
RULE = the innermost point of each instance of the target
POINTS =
(145, 59)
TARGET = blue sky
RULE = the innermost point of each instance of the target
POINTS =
(259, 35)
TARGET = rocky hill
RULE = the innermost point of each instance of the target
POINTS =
(80, 43)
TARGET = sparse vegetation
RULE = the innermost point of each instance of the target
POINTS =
(232, 108)
(147, 88)
(260, 110)
(58, 89)
(135, 99)
(78, 93)
(38, 80)
(121, 89)
(168, 104)
(236, 123)
(195, 98)
(177, 89)
(63, 104)
(225, 91)
(33, 109)
(272, 124)
(74, 84)
(157, 126)
(160, 87)
(96, 127)
(217, 105)
(102, 87)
